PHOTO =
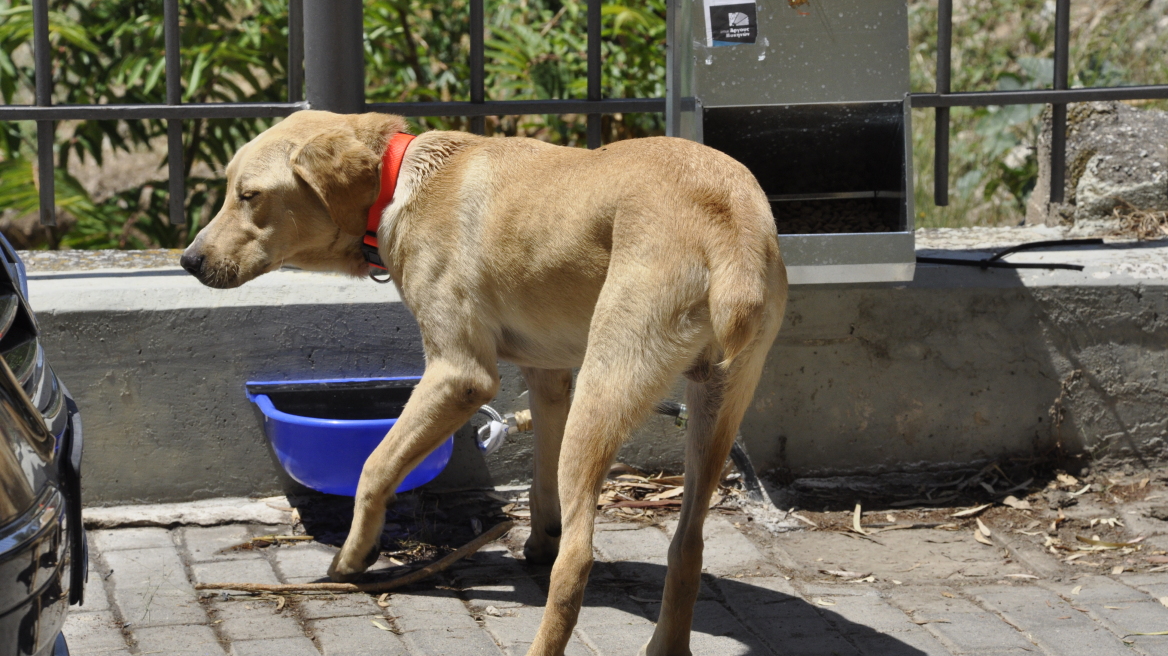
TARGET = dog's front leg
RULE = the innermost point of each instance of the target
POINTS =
(551, 391)
(451, 390)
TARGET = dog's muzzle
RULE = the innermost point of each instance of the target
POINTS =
(193, 264)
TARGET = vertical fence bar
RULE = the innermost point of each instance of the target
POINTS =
(43, 64)
(672, 70)
(1058, 112)
(594, 72)
(478, 124)
(941, 137)
(334, 55)
(174, 143)
(295, 50)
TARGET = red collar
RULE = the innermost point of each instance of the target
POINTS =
(390, 167)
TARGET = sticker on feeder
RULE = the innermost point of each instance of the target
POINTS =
(731, 22)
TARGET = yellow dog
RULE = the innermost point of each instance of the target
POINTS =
(635, 262)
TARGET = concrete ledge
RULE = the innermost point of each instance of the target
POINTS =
(957, 366)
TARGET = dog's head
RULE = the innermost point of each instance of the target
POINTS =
(297, 194)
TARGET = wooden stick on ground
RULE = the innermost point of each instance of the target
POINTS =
(465, 550)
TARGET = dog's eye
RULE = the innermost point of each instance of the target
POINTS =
(248, 195)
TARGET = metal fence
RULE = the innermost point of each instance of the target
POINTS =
(326, 51)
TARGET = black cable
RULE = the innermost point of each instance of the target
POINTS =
(995, 261)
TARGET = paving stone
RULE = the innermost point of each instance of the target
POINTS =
(620, 543)
(303, 563)
(968, 628)
(436, 623)
(611, 623)
(319, 607)
(178, 641)
(130, 538)
(1094, 589)
(96, 598)
(299, 646)
(787, 623)
(205, 543)
(1050, 621)
(879, 628)
(1155, 584)
(1126, 618)
(512, 591)
(727, 551)
(248, 618)
(356, 636)
(150, 588)
(516, 628)
(93, 633)
(234, 571)
(716, 631)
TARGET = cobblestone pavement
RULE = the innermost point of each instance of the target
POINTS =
(923, 591)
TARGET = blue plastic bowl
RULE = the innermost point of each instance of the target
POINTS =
(322, 431)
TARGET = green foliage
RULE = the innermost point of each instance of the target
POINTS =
(110, 52)
(1009, 44)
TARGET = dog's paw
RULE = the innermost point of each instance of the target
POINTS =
(342, 572)
(541, 552)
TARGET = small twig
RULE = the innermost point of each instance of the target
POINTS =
(481, 541)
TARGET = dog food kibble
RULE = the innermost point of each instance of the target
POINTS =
(836, 216)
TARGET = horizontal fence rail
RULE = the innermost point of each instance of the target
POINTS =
(328, 27)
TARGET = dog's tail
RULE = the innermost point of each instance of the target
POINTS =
(738, 296)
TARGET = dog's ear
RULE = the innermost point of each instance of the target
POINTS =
(344, 172)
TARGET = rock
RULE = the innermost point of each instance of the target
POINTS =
(1117, 157)
(1059, 499)
(208, 512)
(1157, 512)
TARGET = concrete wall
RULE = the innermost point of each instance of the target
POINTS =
(958, 366)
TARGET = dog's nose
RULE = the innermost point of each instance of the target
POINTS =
(192, 263)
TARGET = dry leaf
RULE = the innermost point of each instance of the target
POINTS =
(280, 602)
(1021, 576)
(1163, 601)
(1015, 503)
(808, 521)
(380, 626)
(856, 521)
(1077, 589)
(982, 528)
(844, 574)
(948, 595)
(667, 494)
(1144, 483)
(1068, 480)
(930, 621)
(969, 512)
(1102, 545)
(1118, 569)
(383, 600)
(981, 538)
(824, 602)
(1086, 488)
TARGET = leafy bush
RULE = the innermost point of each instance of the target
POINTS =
(1009, 44)
(110, 51)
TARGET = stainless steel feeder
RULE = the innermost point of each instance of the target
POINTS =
(812, 96)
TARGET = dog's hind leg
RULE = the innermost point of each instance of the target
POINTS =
(551, 391)
(633, 354)
(716, 404)
(451, 390)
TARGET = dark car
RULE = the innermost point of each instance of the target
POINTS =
(43, 551)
